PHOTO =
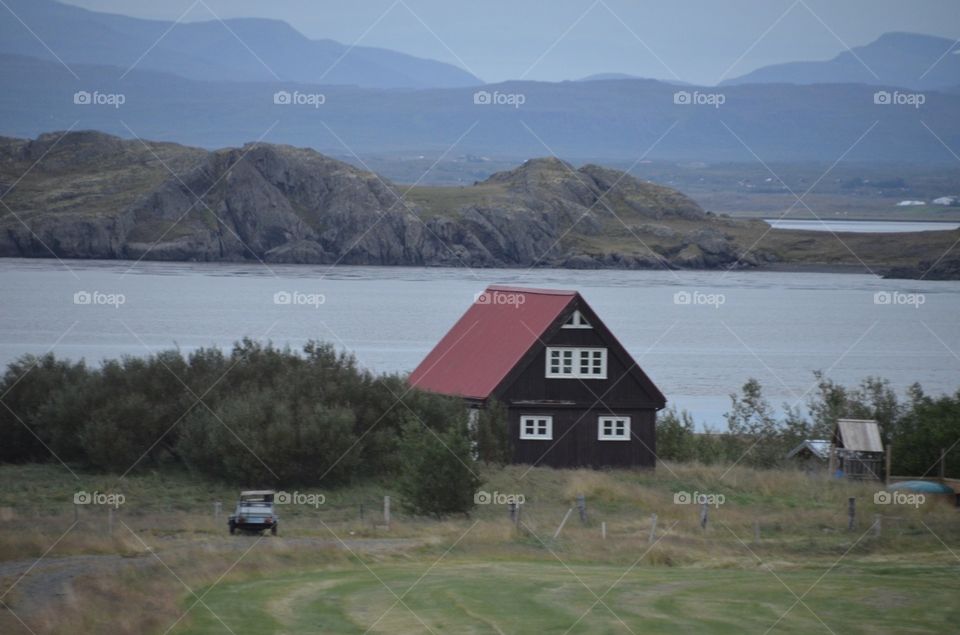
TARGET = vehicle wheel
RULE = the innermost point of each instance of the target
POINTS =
(233, 529)
(273, 530)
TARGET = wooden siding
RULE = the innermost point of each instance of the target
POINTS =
(575, 442)
(619, 389)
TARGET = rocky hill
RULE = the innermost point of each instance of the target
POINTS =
(91, 195)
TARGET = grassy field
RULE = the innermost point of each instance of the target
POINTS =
(776, 535)
(465, 596)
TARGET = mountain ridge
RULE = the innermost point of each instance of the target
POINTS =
(235, 49)
(898, 59)
(613, 119)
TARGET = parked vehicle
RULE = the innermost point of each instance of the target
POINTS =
(254, 513)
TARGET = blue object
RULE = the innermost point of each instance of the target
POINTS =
(924, 487)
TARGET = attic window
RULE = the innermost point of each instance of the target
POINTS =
(570, 362)
(576, 321)
(538, 427)
(613, 428)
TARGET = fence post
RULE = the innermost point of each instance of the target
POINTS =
(876, 525)
(562, 523)
(217, 509)
(361, 513)
(653, 527)
(582, 507)
(756, 532)
(386, 511)
(703, 516)
(851, 512)
(603, 529)
(889, 456)
(110, 520)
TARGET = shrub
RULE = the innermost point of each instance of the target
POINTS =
(676, 438)
(438, 474)
(490, 436)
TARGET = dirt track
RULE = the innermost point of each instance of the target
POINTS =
(35, 585)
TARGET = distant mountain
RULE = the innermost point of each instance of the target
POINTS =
(906, 60)
(236, 50)
(604, 76)
(91, 195)
(608, 120)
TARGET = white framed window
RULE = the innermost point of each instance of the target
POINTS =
(576, 321)
(536, 427)
(613, 428)
(570, 362)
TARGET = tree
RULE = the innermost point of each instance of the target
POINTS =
(754, 431)
(490, 434)
(929, 426)
(438, 474)
(676, 436)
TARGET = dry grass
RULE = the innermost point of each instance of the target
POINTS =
(802, 522)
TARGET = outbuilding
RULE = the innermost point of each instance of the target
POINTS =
(857, 451)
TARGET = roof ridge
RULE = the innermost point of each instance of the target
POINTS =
(532, 290)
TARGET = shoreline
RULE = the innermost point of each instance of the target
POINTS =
(785, 267)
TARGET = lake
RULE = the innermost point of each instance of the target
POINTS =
(699, 335)
(862, 226)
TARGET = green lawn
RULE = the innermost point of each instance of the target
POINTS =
(469, 596)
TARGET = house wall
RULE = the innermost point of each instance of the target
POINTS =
(616, 389)
(575, 442)
(575, 405)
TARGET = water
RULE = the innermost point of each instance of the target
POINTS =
(777, 327)
(862, 226)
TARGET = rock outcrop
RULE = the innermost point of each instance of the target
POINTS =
(91, 195)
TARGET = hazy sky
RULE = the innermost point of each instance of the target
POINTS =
(700, 41)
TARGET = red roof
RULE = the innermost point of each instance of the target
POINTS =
(487, 342)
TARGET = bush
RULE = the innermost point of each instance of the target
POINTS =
(490, 436)
(676, 436)
(438, 475)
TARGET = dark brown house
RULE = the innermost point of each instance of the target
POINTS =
(574, 396)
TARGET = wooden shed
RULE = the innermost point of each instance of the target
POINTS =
(857, 451)
(813, 455)
(574, 396)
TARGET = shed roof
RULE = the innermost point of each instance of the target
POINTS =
(489, 339)
(820, 448)
(859, 435)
